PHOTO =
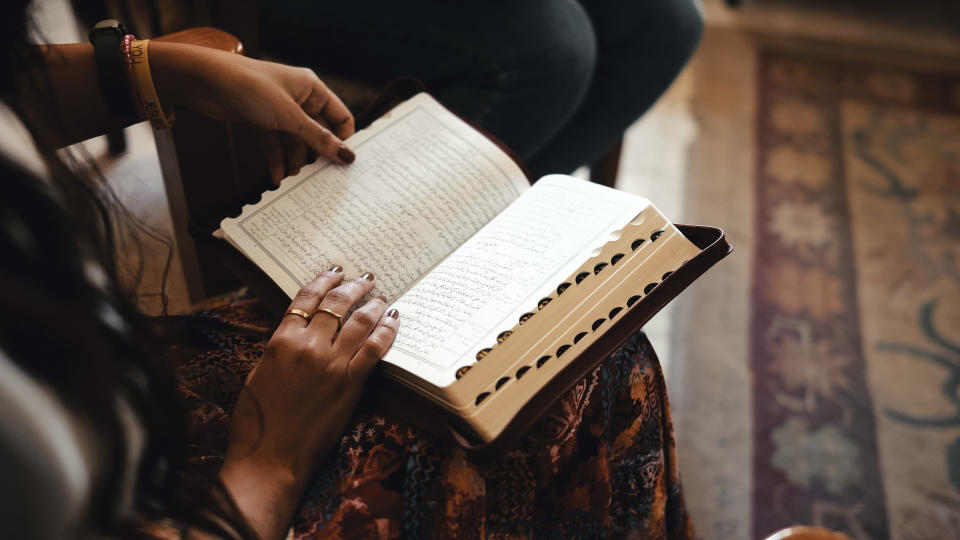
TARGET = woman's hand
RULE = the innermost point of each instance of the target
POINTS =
(295, 108)
(293, 102)
(298, 399)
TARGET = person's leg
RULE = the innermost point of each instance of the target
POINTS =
(517, 69)
(642, 46)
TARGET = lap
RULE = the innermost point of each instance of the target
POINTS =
(601, 461)
(557, 80)
(517, 69)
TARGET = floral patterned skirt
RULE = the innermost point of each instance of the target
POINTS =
(601, 463)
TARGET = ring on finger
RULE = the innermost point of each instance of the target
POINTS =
(299, 313)
(334, 315)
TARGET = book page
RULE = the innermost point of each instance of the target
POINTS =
(502, 271)
(423, 183)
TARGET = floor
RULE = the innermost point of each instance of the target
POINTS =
(704, 127)
(691, 152)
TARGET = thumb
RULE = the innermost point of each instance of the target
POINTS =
(321, 139)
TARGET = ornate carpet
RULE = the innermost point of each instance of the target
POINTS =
(855, 302)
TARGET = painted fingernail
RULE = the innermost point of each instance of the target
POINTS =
(368, 276)
(346, 155)
(393, 314)
(336, 268)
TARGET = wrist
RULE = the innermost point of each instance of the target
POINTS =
(172, 73)
(278, 480)
(266, 494)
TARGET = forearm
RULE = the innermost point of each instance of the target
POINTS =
(62, 99)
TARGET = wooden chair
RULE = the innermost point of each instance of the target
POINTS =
(203, 172)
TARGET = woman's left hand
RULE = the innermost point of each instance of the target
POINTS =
(291, 101)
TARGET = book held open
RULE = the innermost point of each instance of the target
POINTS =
(501, 285)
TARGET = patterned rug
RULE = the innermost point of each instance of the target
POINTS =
(855, 336)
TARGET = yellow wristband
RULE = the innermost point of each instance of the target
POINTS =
(145, 87)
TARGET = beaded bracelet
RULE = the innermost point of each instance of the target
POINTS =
(131, 81)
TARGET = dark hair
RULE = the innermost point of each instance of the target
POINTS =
(67, 321)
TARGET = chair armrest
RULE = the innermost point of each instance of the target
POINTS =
(206, 37)
(198, 163)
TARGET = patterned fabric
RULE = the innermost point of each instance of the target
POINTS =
(601, 463)
(856, 304)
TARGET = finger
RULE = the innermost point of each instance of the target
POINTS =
(273, 151)
(330, 108)
(359, 325)
(339, 300)
(373, 348)
(309, 296)
(321, 139)
(341, 123)
(311, 153)
(295, 152)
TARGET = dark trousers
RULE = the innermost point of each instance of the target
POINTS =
(557, 80)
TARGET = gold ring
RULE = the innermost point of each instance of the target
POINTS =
(334, 314)
(299, 313)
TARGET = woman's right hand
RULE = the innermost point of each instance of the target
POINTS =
(298, 399)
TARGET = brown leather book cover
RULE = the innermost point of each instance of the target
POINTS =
(383, 394)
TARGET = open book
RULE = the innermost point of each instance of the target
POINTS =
(500, 284)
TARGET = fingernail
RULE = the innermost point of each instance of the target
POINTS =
(346, 155)
(368, 276)
(382, 298)
(393, 314)
(336, 268)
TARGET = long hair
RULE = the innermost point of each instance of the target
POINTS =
(67, 320)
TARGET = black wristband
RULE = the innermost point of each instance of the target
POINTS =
(107, 39)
